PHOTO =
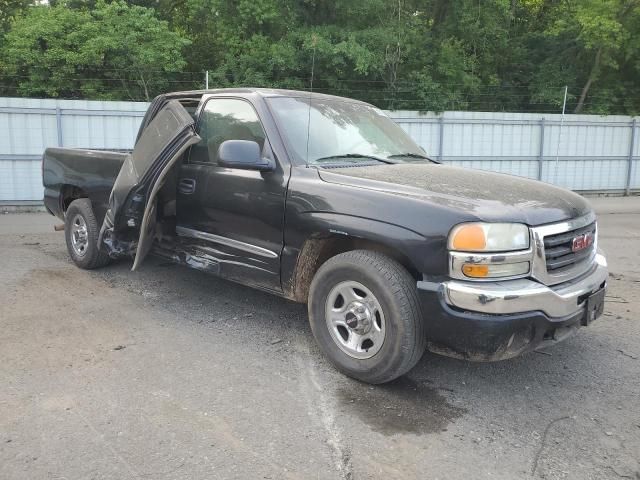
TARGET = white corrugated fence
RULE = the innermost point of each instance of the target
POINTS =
(28, 126)
(581, 152)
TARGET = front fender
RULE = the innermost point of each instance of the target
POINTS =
(424, 254)
(398, 238)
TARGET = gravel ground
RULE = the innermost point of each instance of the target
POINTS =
(172, 374)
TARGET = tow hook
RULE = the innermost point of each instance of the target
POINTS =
(59, 227)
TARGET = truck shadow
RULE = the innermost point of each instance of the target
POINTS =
(401, 406)
(435, 393)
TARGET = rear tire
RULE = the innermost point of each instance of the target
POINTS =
(81, 233)
(365, 315)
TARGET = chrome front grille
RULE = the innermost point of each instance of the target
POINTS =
(558, 249)
(554, 260)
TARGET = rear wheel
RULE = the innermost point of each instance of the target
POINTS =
(365, 315)
(81, 233)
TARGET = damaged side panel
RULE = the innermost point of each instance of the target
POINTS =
(204, 257)
(129, 224)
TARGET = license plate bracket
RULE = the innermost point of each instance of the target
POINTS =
(595, 307)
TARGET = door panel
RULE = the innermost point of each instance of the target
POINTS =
(233, 216)
(148, 223)
(128, 225)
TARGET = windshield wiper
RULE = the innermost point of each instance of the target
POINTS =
(412, 155)
(353, 155)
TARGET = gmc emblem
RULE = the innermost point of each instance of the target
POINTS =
(581, 242)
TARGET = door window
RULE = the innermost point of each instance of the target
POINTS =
(225, 119)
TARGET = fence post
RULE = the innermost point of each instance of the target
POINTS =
(541, 149)
(441, 134)
(632, 144)
(59, 125)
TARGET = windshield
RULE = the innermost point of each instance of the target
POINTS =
(342, 132)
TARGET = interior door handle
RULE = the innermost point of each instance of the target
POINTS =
(186, 186)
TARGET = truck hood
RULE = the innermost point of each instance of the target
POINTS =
(488, 196)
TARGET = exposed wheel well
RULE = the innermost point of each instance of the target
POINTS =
(316, 251)
(69, 193)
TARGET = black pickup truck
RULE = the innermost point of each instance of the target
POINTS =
(325, 200)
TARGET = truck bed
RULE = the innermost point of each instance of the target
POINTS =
(69, 173)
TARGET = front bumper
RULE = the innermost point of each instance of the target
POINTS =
(499, 320)
(526, 295)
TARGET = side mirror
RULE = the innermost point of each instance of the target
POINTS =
(243, 154)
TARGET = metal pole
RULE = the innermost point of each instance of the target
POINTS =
(541, 149)
(59, 125)
(632, 145)
(441, 138)
(206, 80)
(564, 106)
(313, 72)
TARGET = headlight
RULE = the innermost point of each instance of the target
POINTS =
(489, 237)
(486, 251)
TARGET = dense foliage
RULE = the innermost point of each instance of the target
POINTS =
(512, 55)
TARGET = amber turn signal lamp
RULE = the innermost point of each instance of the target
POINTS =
(469, 238)
(475, 271)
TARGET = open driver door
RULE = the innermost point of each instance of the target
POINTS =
(129, 225)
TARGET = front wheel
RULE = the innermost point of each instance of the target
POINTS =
(365, 315)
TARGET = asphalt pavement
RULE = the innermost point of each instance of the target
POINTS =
(168, 373)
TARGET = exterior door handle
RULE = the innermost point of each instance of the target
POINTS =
(186, 186)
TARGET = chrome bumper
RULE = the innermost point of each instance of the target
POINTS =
(524, 295)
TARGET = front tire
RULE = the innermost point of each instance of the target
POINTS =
(365, 315)
(81, 232)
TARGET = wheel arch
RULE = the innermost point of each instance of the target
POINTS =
(318, 247)
(69, 193)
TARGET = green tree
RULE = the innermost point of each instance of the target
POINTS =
(514, 55)
(586, 44)
(113, 51)
(9, 9)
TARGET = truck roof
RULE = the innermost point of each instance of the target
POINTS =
(267, 93)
